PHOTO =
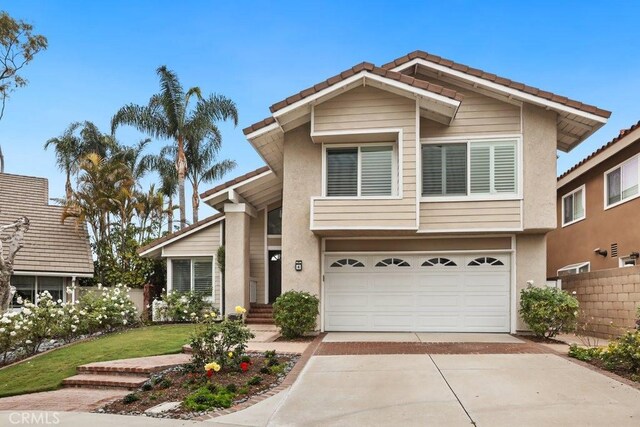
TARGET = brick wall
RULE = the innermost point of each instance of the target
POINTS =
(608, 299)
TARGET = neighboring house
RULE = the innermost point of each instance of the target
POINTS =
(596, 209)
(55, 254)
(415, 196)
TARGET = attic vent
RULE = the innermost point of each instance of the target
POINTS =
(614, 250)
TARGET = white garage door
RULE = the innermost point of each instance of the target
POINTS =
(438, 293)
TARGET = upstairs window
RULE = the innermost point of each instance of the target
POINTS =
(274, 222)
(573, 206)
(469, 168)
(360, 171)
(622, 182)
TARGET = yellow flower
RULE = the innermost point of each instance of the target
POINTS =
(213, 366)
(230, 354)
(240, 309)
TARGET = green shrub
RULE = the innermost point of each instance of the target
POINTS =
(243, 390)
(276, 369)
(107, 308)
(586, 354)
(146, 386)
(214, 341)
(130, 398)
(624, 353)
(295, 313)
(185, 306)
(231, 388)
(203, 399)
(264, 370)
(548, 311)
(165, 383)
(255, 380)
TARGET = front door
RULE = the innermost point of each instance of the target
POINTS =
(275, 275)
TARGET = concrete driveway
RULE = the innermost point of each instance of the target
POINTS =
(454, 390)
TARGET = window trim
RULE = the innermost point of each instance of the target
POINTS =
(622, 260)
(583, 187)
(396, 184)
(517, 138)
(606, 185)
(212, 258)
(577, 266)
(36, 288)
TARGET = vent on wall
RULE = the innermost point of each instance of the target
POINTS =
(614, 250)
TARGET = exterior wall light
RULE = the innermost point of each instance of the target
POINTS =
(601, 252)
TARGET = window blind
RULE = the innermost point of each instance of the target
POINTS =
(203, 277)
(504, 168)
(342, 172)
(444, 169)
(480, 169)
(376, 171)
(181, 275)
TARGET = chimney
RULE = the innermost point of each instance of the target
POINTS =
(1, 161)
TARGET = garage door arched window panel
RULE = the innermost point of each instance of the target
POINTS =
(388, 262)
(485, 261)
(347, 262)
(439, 262)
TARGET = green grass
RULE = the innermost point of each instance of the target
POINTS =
(46, 372)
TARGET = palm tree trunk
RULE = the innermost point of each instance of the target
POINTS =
(181, 166)
(67, 187)
(195, 202)
(170, 215)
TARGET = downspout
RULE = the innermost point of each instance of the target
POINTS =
(222, 285)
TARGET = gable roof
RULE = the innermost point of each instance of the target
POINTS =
(50, 246)
(419, 54)
(234, 181)
(177, 235)
(332, 81)
(625, 138)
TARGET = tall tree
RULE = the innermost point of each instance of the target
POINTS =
(203, 165)
(68, 149)
(18, 46)
(168, 115)
(168, 185)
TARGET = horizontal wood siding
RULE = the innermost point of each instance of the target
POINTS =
(256, 254)
(363, 213)
(371, 108)
(478, 114)
(494, 214)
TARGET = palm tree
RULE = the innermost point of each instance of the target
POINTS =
(168, 185)
(167, 115)
(68, 149)
(202, 166)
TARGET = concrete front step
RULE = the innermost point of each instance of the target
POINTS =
(129, 382)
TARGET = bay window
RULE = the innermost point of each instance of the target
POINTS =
(469, 168)
(365, 170)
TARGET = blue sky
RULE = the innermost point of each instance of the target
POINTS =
(103, 55)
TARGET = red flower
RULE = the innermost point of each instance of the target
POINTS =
(209, 373)
(244, 366)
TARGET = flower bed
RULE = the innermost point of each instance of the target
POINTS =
(621, 356)
(204, 391)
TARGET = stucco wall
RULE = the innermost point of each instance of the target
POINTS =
(530, 265)
(539, 171)
(302, 179)
(236, 260)
(608, 299)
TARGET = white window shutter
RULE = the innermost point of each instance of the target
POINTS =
(376, 171)
(504, 168)
(342, 172)
(203, 277)
(480, 169)
(432, 170)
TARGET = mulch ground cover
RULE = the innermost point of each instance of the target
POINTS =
(175, 384)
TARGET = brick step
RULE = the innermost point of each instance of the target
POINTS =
(261, 310)
(259, 315)
(139, 366)
(259, 321)
(256, 305)
(129, 382)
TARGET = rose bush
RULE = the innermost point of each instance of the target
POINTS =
(23, 332)
(548, 311)
(222, 343)
(295, 313)
(185, 307)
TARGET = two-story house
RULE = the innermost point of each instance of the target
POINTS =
(415, 196)
(597, 202)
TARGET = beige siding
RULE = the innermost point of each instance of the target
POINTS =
(371, 108)
(495, 214)
(203, 243)
(478, 114)
(256, 254)
(390, 245)
(333, 213)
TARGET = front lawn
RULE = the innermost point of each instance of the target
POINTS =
(46, 371)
